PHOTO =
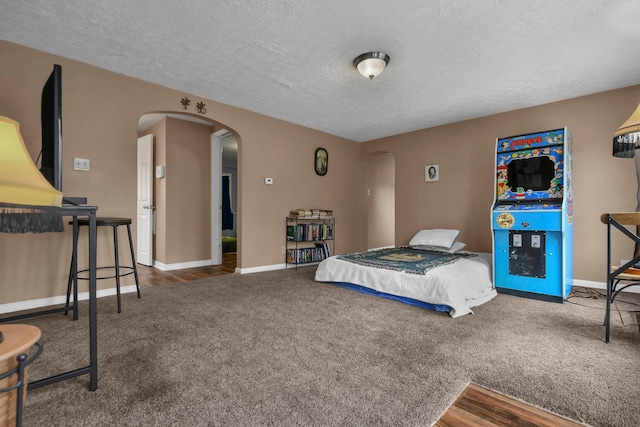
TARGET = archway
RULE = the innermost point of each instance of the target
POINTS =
(380, 183)
(187, 196)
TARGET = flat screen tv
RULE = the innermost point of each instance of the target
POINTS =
(51, 119)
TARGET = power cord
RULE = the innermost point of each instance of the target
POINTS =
(594, 294)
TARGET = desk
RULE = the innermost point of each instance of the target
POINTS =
(90, 213)
(618, 275)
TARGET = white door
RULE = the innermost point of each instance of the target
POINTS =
(145, 208)
(216, 197)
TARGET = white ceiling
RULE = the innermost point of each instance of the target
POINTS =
(292, 59)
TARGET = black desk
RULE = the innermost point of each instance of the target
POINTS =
(90, 213)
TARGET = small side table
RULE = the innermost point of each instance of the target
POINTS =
(15, 355)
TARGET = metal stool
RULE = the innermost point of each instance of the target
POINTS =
(73, 271)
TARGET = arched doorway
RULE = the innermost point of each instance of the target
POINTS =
(381, 199)
(187, 196)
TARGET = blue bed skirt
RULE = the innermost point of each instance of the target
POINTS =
(436, 307)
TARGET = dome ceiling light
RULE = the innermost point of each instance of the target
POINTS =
(371, 64)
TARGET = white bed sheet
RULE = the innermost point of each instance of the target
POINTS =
(461, 285)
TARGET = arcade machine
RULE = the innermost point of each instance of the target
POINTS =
(532, 216)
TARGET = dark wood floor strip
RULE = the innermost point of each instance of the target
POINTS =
(478, 406)
(150, 276)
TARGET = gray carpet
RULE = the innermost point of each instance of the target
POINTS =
(277, 348)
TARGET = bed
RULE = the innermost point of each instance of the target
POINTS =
(439, 277)
(229, 244)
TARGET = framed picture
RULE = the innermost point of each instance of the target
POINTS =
(432, 173)
(321, 161)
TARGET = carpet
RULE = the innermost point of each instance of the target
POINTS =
(277, 348)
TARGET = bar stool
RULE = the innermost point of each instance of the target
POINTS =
(114, 223)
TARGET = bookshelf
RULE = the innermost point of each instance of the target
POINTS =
(309, 236)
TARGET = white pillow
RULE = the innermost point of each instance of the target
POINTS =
(436, 237)
(457, 246)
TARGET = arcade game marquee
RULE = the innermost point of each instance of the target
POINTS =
(532, 216)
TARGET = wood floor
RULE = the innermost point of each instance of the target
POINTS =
(478, 406)
(149, 276)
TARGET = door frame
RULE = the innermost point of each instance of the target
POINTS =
(144, 206)
(216, 196)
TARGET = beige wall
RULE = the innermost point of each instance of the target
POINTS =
(183, 147)
(100, 116)
(188, 204)
(101, 111)
(465, 151)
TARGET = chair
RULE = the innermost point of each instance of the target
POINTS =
(627, 274)
(72, 285)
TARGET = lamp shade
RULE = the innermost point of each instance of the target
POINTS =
(371, 64)
(28, 203)
(627, 138)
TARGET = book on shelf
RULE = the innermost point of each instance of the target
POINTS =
(309, 232)
(311, 213)
(325, 249)
(305, 255)
(291, 232)
(322, 250)
(318, 253)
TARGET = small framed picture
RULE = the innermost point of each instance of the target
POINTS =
(432, 173)
(321, 161)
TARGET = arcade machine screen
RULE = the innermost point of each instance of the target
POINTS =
(530, 176)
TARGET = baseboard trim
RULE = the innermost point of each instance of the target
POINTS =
(59, 300)
(182, 265)
(602, 285)
(260, 269)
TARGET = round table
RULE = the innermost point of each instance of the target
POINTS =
(18, 340)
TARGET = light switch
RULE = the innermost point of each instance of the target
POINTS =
(268, 181)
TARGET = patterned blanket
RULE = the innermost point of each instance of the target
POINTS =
(404, 258)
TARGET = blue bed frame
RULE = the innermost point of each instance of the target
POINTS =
(436, 307)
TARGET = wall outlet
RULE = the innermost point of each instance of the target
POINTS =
(80, 164)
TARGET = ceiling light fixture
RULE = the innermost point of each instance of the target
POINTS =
(371, 64)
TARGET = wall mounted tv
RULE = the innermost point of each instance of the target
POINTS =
(51, 119)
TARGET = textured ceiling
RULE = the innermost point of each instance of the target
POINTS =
(292, 59)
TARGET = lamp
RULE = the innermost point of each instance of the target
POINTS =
(28, 203)
(626, 140)
(371, 64)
